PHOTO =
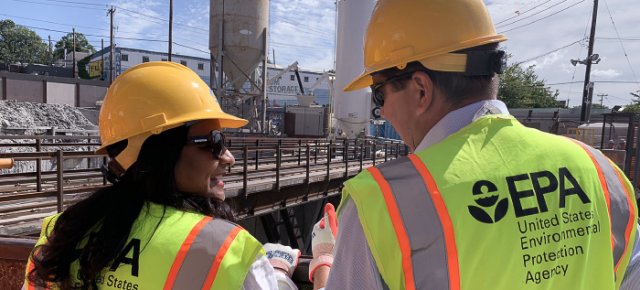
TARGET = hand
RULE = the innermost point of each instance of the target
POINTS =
(282, 257)
(323, 239)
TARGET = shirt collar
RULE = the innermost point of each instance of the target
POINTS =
(460, 118)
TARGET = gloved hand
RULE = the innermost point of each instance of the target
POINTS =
(323, 239)
(282, 257)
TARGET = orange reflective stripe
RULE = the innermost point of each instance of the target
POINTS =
(30, 266)
(182, 253)
(398, 226)
(632, 214)
(605, 189)
(445, 219)
(219, 256)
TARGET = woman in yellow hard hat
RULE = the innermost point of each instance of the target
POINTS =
(163, 224)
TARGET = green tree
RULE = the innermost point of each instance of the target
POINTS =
(82, 45)
(19, 44)
(634, 106)
(521, 88)
(598, 106)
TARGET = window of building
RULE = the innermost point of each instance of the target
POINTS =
(164, 59)
(293, 77)
(125, 57)
(183, 62)
(145, 59)
(201, 66)
(306, 79)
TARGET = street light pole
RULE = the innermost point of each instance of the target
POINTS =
(586, 100)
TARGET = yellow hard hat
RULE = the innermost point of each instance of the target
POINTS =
(427, 31)
(153, 97)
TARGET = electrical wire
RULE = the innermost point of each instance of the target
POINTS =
(161, 19)
(529, 16)
(549, 52)
(58, 5)
(626, 55)
(619, 38)
(522, 13)
(540, 19)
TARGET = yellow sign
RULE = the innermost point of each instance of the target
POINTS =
(95, 69)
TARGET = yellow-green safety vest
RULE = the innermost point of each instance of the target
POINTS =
(173, 249)
(498, 205)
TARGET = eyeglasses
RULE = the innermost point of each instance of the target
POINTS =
(376, 92)
(214, 141)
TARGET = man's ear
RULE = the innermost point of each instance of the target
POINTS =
(425, 89)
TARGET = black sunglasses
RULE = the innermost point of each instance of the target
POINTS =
(376, 93)
(214, 141)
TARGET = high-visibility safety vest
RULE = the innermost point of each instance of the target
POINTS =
(174, 249)
(498, 205)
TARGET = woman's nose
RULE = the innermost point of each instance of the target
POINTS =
(227, 158)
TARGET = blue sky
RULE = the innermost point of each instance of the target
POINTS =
(544, 33)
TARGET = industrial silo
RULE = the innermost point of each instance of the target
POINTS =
(352, 109)
(238, 44)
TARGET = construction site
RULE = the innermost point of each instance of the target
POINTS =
(304, 139)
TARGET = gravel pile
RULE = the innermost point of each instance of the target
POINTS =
(26, 118)
(15, 115)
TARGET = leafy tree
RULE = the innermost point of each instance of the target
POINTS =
(521, 88)
(598, 106)
(82, 45)
(634, 106)
(19, 44)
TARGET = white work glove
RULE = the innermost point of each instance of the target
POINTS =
(282, 257)
(323, 239)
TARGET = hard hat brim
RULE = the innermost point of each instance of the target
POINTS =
(361, 82)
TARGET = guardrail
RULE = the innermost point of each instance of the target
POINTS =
(263, 165)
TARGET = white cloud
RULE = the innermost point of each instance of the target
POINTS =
(607, 74)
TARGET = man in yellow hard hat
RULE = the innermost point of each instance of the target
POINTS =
(482, 202)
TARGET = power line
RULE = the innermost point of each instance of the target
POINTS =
(621, 44)
(162, 19)
(535, 21)
(522, 13)
(529, 16)
(59, 5)
(51, 22)
(550, 52)
(193, 48)
(619, 38)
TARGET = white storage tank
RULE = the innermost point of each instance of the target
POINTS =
(352, 109)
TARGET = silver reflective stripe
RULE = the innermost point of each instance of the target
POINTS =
(619, 204)
(420, 218)
(202, 253)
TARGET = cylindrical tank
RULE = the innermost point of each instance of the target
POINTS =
(352, 109)
(243, 38)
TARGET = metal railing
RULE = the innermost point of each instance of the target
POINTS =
(262, 165)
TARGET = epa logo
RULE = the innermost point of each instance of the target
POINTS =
(538, 187)
(488, 209)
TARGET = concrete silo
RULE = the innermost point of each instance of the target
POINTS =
(352, 109)
(238, 44)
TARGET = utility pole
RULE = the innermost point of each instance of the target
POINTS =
(73, 52)
(111, 11)
(602, 98)
(170, 27)
(586, 101)
(50, 52)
